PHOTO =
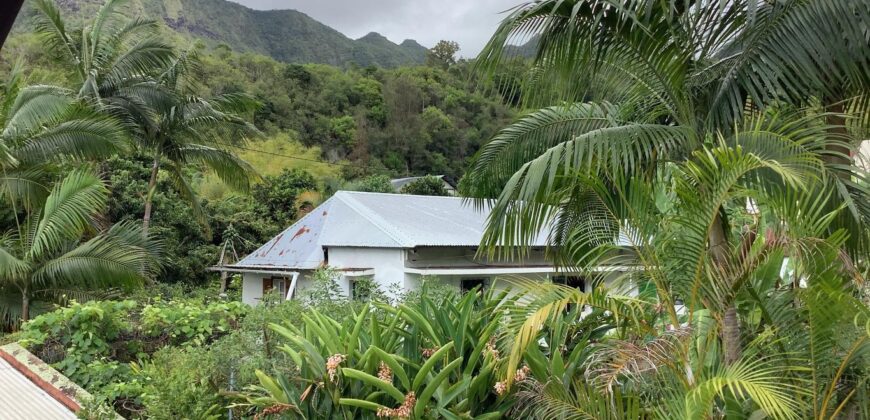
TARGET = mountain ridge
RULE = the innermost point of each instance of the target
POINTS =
(284, 34)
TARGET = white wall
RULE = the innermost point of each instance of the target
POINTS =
(252, 288)
(388, 264)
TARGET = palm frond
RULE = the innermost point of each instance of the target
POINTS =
(141, 58)
(545, 301)
(228, 167)
(791, 50)
(119, 257)
(68, 211)
(80, 133)
(51, 27)
(552, 400)
(526, 204)
(34, 105)
(757, 380)
(618, 362)
(11, 267)
(530, 136)
(25, 185)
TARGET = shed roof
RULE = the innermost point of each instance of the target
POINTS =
(30, 389)
(374, 220)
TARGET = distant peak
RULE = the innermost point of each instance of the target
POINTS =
(373, 36)
(411, 43)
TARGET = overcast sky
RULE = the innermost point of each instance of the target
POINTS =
(468, 22)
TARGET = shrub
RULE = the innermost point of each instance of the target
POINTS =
(78, 335)
(190, 324)
(427, 185)
(99, 344)
(325, 290)
(181, 383)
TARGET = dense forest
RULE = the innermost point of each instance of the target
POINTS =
(320, 128)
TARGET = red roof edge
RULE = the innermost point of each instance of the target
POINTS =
(46, 386)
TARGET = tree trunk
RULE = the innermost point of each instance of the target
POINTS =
(152, 184)
(837, 130)
(730, 322)
(25, 305)
(731, 334)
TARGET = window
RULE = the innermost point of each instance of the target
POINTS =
(277, 285)
(469, 284)
(577, 282)
(359, 291)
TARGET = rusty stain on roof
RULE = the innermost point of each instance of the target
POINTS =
(274, 242)
(303, 230)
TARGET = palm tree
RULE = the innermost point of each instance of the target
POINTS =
(125, 68)
(659, 82)
(110, 57)
(42, 125)
(44, 257)
(809, 329)
(189, 130)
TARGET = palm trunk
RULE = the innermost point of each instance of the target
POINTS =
(730, 322)
(25, 305)
(731, 334)
(837, 122)
(152, 184)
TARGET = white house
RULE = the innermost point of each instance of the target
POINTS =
(396, 239)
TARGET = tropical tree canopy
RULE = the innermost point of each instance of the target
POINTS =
(129, 72)
(46, 259)
(709, 144)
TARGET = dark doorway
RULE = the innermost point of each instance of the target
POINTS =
(577, 282)
(469, 284)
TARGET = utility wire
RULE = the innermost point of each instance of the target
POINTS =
(352, 165)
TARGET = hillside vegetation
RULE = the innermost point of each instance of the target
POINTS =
(347, 128)
(285, 35)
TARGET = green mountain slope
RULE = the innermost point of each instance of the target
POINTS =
(286, 35)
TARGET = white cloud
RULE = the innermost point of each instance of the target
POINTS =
(468, 22)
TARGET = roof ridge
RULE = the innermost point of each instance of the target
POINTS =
(393, 194)
(376, 220)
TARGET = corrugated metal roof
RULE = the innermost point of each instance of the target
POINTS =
(296, 247)
(416, 220)
(358, 219)
(22, 399)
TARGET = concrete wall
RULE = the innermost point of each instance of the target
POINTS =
(252, 288)
(252, 285)
(389, 266)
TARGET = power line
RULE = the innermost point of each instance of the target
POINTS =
(352, 165)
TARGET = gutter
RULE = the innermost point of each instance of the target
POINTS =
(270, 270)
